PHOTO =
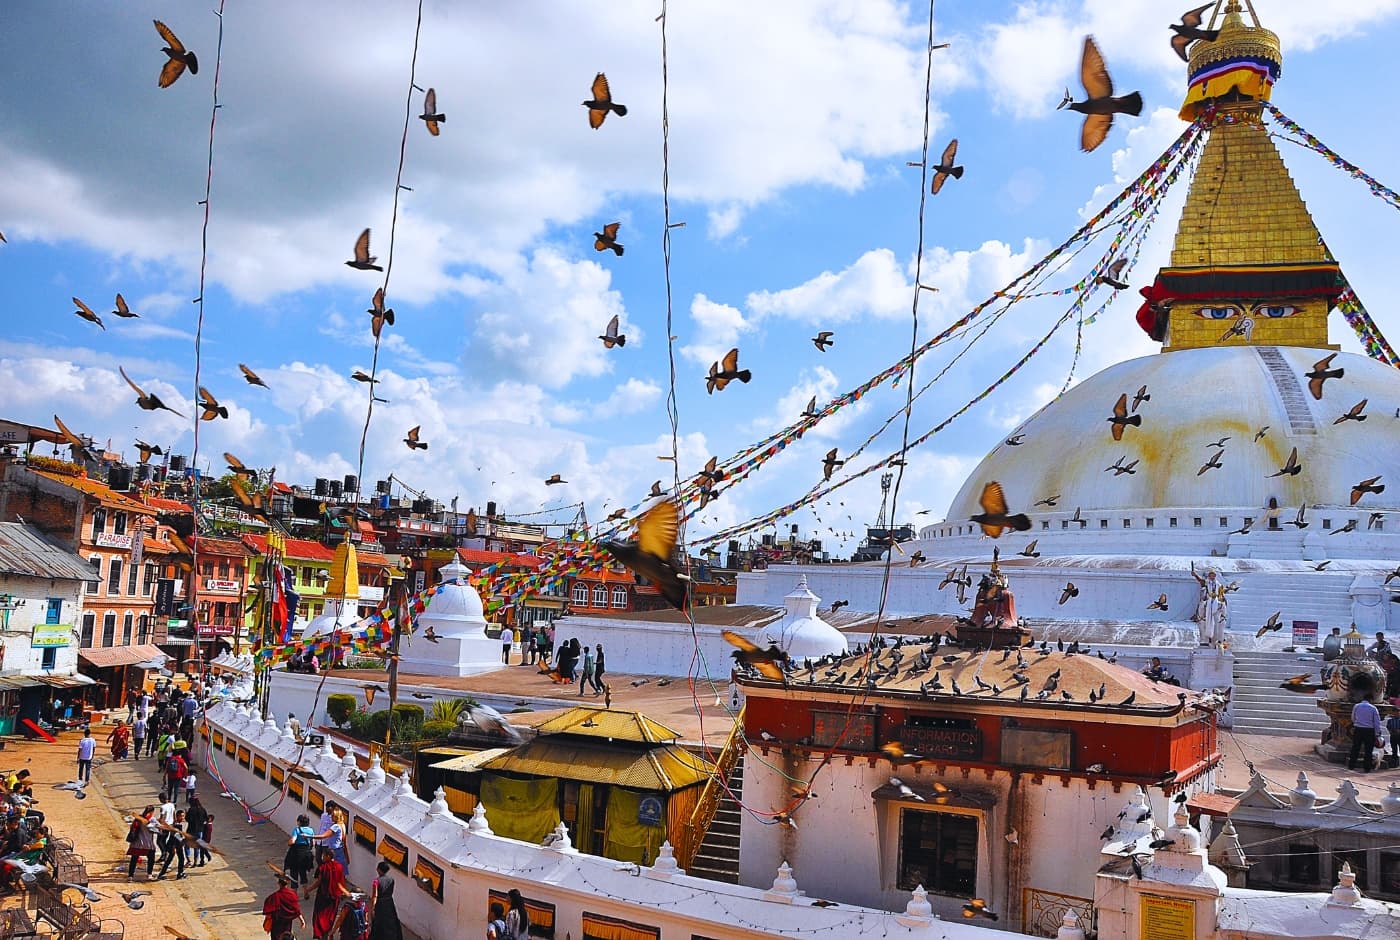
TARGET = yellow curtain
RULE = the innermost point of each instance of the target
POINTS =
(598, 927)
(583, 826)
(460, 801)
(520, 809)
(627, 839)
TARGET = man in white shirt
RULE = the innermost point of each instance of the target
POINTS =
(86, 746)
(507, 641)
(1365, 732)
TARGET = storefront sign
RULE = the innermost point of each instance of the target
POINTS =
(112, 540)
(220, 584)
(51, 634)
(13, 433)
(1167, 918)
(371, 593)
(953, 743)
(1304, 633)
(215, 629)
(165, 597)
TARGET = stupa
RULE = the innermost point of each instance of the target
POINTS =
(342, 594)
(1246, 379)
(455, 617)
(802, 634)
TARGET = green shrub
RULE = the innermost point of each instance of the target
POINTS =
(449, 709)
(437, 730)
(408, 723)
(340, 707)
(359, 723)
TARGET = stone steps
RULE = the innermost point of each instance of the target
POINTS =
(1259, 706)
(718, 856)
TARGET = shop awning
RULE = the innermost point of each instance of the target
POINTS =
(9, 683)
(65, 682)
(470, 763)
(109, 657)
(177, 641)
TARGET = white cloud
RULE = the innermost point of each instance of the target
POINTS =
(631, 397)
(717, 328)
(872, 286)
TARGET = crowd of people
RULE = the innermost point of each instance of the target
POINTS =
(24, 836)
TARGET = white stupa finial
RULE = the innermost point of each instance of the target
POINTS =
(1345, 894)
(1069, 927)
(784, 888)
(478, 821)
(665, 865)
(439, 807)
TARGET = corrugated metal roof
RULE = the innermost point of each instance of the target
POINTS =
(108, 656)
(26, 551)
(469, 762)
(666, 768)
(615, 724)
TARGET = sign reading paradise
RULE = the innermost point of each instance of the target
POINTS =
(51, 634)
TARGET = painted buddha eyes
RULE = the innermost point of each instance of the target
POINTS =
(1275, 311)
(1229, 312)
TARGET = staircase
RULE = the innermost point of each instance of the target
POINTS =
(718, 855)
(1290, 392)
(1321, 596)
(1261, 707)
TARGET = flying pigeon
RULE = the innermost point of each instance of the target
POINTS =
(601, 103)
(363, 260)
(1189, 30)
(726, 371)
(607, 238)
(1099, 105)
(430, 117)
(179, 58)
(611, 337)
(944, 168)
(823, 339)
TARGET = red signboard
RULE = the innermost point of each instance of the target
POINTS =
(215, 629)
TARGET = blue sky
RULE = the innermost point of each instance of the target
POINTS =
(791, 125)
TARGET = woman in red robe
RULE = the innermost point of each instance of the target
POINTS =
(280, 909)
(329, 882)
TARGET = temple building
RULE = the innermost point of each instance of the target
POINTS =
(1253, 498)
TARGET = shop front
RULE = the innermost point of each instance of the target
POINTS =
(121, 668)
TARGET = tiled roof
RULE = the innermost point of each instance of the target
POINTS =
(371, 559)
(298, 549)
(100, 491)
(480, 558)
(214, 546)
(162, 504)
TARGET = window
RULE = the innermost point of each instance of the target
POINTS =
(600, 595)
(126, 628)
(1171, 522)
(1149, 521)
(50, 658)
(131, 580)
(1196, 521)
(1327, 523)
(619, 597)
(96, 562)
(109, 630)
(99, 521)
(1045, 523)
(1064, 523)
(114, 576)
(207, 568)
(1390, 873)
(54, 612)
(119, 523)
(1127, 523)
(238, 570)
(148, 579)
(1224, 522)
(89, 622)
(306, 574)
(223, 570)
(580, 596)
(143, 629)
(1304, 866)
(1103, 523)
(938, 851)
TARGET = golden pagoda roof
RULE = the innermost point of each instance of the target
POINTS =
(345, 572)
(1237, 39)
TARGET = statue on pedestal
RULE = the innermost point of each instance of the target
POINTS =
(1213, 609)
(995, 606)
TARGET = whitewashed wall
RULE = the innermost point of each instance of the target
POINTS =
(35, 593)
(654, 649)
(476, 861)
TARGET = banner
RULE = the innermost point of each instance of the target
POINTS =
(49, 635)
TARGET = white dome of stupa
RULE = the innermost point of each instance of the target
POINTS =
(456, 598)
(801, 633)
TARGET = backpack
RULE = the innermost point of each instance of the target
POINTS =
(497, 930)
(175, 766)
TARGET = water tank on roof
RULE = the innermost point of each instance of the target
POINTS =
(733, 546)
(421, 506)
(491, 509)
(334, 488)
(321, 488)
(119, 478)
(352, 483)
(382, 487)
(177, 463)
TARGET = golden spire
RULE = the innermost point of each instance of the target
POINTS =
(1248, 266)
(345, 572)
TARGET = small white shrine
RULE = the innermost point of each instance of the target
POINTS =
(456, 618)
(801, 633)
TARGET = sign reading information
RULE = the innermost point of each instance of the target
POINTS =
(1167, 918)
(964, 743)
(51, 634)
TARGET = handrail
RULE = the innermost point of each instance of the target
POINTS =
(694, 829)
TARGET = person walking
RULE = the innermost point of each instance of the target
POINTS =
(119, 740)
(586, 673)
(496, 926)
(172, 846)
(281, 910)
(333, 836)
(507, 641)
(141, 842)
(196, 817)
(330, 878)
(138, 734)
(532, 646)
(300, 858)
(1365, 731)
(517, 919)
(86, 747)
(383, 915)
(598, 671)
